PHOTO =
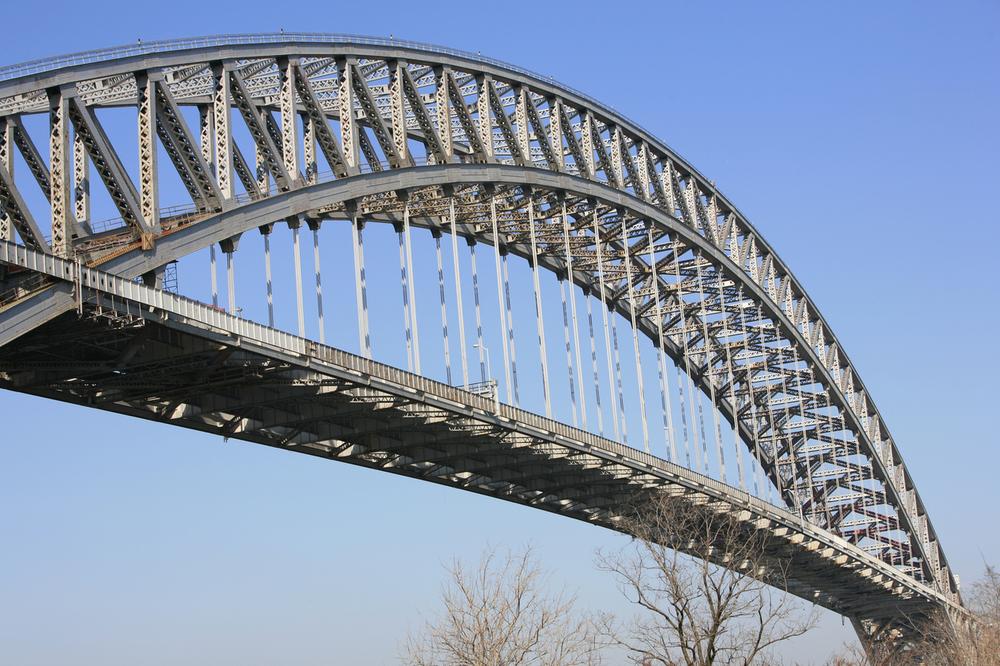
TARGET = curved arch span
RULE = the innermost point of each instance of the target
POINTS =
(481, 124)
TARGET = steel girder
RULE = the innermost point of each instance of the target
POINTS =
(708, 289)
(132, 357)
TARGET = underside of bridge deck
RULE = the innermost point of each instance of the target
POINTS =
(136, 361)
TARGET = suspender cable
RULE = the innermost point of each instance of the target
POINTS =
(266, 231)
(618, 378)
(539, 317)
(709, 378)
(479, 321)
(732, 383)
(635, 336)
(215, 278)
(572, 304)
(444, 306)
(319, 280)
(500, 299)
(403, 281)
(360, 288)
(458, 294)
(231, 280)
(411, 278)
(593, 365)
(607, 333)
(665, 406)
(569, 350)
(510, 329)
(687, 407)
(297, 258)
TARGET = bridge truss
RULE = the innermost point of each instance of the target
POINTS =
(292, 129)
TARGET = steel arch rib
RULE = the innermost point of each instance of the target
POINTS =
(642, 191)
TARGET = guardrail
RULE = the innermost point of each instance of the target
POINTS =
(408, 382)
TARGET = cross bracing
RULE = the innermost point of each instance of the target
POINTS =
(467, 147)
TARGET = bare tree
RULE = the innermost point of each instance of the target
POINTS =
(499, 614)
(707, 608)
(944, 639)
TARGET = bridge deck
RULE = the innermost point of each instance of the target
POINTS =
(155, 355)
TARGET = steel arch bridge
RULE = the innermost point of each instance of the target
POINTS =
(262, 131)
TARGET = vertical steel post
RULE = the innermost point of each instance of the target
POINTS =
(479, 320)
(635, 336)
(510, 329)
(360, 287)
(572, 302)
(664, 378)
(607, 333)
(411, 282)
(618, 378)
(314, 226)
(60, 163)
(444, 306)
(266, 233)
(81, 180)
(231, 282)
(687, 407)
(403, 281)
(500, 299)
(294, 223)
(215, 278)
(539, 317)
(569, 350)
(593, 365)
(457, 275)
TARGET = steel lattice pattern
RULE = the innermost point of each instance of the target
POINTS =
(460, 144)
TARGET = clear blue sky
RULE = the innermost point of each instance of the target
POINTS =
(860, 138)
